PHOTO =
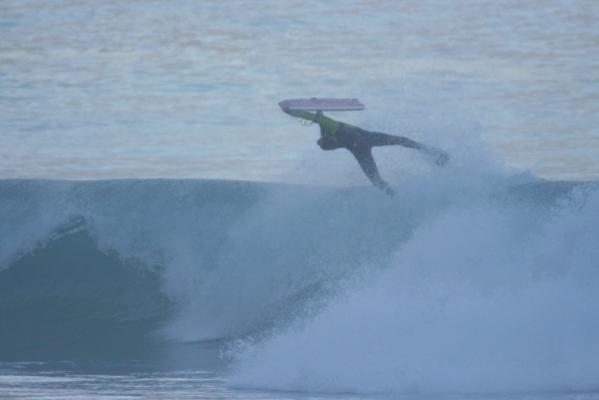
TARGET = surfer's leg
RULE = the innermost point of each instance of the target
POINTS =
(368, 165)
(384, 139)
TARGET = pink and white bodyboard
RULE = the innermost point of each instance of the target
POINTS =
(315, 104)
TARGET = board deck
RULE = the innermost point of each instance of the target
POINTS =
(316, 104)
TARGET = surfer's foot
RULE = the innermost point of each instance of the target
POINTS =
(387, 189)
(442, 159)
(439, 156)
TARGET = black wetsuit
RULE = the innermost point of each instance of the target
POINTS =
(360, 143)
(335, 135)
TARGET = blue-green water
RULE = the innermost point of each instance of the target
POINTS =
(462, 286)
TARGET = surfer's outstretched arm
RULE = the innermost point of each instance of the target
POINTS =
(301, 114)
(368, 165)
(328, 126)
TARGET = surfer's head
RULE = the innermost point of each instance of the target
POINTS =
(328, 142)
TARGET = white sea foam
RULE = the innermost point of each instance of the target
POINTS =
(492, 297)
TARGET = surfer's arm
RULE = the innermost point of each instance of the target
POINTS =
(302, 114)
(328, 126)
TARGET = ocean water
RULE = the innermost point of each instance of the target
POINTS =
(167, 233)
(189, 89)
(466, 285)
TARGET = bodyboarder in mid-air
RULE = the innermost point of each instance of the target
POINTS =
(336, 135)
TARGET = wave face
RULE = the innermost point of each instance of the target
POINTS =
(67, 298)
(101, 265)
(469, 281)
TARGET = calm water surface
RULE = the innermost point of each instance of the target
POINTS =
(190, 89)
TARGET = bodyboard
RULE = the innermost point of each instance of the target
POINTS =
(315, 104)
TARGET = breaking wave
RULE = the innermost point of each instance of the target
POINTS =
(464, 282)
(495, 294)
